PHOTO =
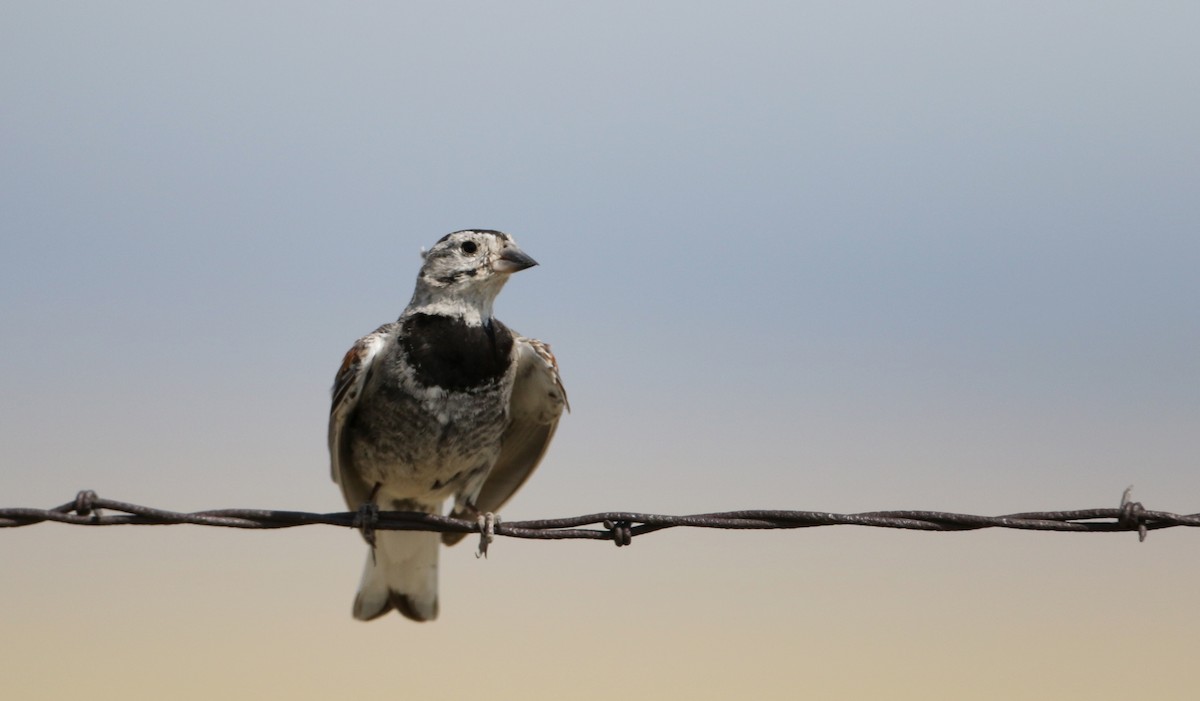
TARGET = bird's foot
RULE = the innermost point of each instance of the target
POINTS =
(487, 531)
(365, 520)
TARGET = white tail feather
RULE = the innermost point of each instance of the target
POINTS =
(401, 575)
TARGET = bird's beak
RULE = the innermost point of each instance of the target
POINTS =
(512, 259)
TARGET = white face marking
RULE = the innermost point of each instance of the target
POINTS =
(458, 277)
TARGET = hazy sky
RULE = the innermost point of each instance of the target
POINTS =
(829, 256)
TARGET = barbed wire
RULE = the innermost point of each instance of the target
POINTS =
(619, 527)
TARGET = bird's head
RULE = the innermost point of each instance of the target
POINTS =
(464, 271)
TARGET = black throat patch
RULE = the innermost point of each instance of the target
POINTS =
(446, 352)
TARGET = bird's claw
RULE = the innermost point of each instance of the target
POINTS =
(365, 520)
(487, 531)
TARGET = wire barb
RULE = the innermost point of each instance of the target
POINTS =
(88, 509)
(85, 503)
(622, 532)
(1132, 514)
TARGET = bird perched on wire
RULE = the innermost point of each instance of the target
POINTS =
(444, 402)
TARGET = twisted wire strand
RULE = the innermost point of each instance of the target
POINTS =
(619, 527)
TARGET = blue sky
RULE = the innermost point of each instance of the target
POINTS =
(824, 256)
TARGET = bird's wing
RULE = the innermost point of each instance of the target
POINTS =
(347, 388)
(538, 400)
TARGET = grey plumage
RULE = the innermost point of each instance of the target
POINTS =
(444, 402)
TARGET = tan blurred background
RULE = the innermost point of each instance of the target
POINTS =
(832, 257)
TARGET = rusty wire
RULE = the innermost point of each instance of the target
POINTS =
(617, 526)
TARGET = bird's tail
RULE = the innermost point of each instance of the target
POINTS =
(400, 574)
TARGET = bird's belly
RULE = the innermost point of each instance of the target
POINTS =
(432, 447)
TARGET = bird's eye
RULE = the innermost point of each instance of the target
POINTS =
(469, 247)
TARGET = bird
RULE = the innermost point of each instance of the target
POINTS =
(444, 402)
